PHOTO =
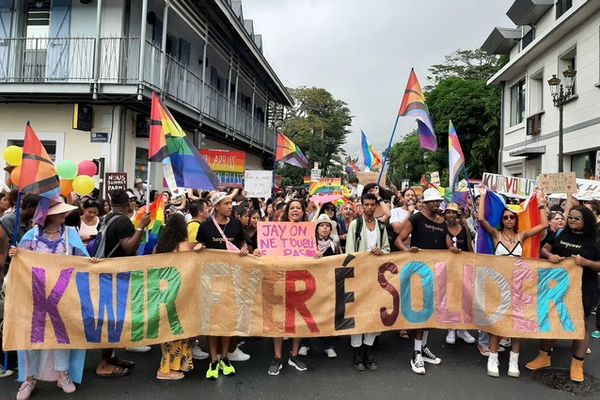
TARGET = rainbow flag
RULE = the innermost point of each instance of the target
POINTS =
(38, 174)
(528, 219)
(326, 186)
(289, 153)
(456, 158)
(494, 207)
(157, 220)
(413, 105)
(372, 159)
(169, 144)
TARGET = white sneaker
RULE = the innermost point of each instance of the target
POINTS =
(238, 355)
(303, 351)
(142, 349)
(492, 365)
(25, 390)
(466, 336)
(451, 336)
(5, 372)
(331, 353)
(513, 365)
(198, 354)
(417, 364)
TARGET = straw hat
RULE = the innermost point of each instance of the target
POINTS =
(452, 207)
(60, 208)
(324, 219)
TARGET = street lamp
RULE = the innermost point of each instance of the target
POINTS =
(561, 95)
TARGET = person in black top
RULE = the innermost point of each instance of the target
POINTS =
(427, 230)
(458, 235)
(577, 240)
(122, 239)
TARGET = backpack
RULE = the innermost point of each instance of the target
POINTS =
(359, 226)
(97, 246)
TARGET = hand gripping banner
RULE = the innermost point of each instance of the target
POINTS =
(56, 301)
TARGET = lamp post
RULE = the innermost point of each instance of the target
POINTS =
(561, 95)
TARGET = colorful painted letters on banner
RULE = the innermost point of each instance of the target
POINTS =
(58, 302)
(289, 239)
(511, 186)
(228, 165)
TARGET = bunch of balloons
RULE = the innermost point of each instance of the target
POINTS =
(76, 178)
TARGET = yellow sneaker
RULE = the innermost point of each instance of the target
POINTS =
(543, 360)
(577, 370)
(213, 370)
(226, 367)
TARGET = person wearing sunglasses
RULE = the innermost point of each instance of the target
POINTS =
(578, 240)
(508, 241)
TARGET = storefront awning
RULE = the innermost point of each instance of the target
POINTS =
(529, 152)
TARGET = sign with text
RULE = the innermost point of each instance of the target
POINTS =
(115, 180)
(564, 182)
(326, 186)
(511, 186)
(435, 178)
(66, 302)
(290, 239)
(258, 183)
(315, 175)
(364, 178)
(228, 165)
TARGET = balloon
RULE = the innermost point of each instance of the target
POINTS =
(15, 175)
(66, 187)
(13, 155)
(66, 169)
(87, 168)
(83, 185)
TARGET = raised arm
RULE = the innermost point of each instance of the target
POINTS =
(543, 225)
(493, 232)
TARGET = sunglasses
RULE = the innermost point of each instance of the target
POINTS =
(508, 217)
(578, 219)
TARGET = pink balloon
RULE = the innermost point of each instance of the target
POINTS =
(87, 167)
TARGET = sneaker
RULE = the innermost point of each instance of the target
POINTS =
(303, 351)
(238, 355)
(66, 384)
(297, 363)
(429, 357)
(213, 370)
(465, 336)
(25, 390)
(483, 350)
(513, 365)
(596, 334)
(226, 367)
(492, 365)
(197, 353)
(5, 372)
(417, 364)
(369, 361)
(275, 366)
(142, 349)
(331, 353)
(451, 336)
(505, 342)
(358, 359)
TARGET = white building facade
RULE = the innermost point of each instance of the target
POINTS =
(550, 36)
(64, 60)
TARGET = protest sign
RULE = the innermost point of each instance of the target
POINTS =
(258, 183)
(364, 178)
(435, 178)
(60, 302)
(564, 182)
(511, 186)
(115, 180)
(171, 182)
(587, 189)
(315, 175)
(326, 186)
(228, 165)
(291, 239)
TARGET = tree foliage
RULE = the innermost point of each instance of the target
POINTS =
(467, 65)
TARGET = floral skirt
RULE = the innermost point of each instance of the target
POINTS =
(176, 356)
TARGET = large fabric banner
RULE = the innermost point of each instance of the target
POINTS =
(56, 301)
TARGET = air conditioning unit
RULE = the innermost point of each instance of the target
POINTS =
(534, 124)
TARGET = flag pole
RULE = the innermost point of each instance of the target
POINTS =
(387, 152)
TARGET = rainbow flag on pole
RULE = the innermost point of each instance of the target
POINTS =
(372, 159)
(289, 153)
(413, 105)
(456, 158)
(170, 145)
(157, 220)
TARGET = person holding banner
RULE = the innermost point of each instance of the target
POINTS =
(347, 215)
(580, 241)
(366, 233)
(508, 241)
(64, 366)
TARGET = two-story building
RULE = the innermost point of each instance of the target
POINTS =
(82, 71)
(550, 37)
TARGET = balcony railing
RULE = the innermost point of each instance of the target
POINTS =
(71, 60)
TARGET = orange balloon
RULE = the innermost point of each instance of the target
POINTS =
(15, 175)
(66, 187)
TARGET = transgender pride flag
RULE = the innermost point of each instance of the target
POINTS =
(413, 105)
(456, 158)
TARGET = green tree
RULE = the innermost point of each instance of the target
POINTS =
(466, 64)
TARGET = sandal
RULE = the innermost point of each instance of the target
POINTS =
(119, 362)
(171, 376)
(114, 372)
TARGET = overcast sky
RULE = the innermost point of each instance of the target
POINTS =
(362, 51)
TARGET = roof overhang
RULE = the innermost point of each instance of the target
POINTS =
(501, 40)
(570, 20)
(529, 152)
(528, 12)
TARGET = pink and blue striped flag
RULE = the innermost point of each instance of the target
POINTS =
(456, 158)
(372, 159)
(413, 105)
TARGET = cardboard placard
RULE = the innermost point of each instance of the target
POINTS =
(511, 186)
(115, 180)
(435, 178)
(289, 239)
(315, 175)
(365, 178)
(564, 182)
(258, 183)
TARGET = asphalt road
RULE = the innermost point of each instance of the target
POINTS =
(462, 375)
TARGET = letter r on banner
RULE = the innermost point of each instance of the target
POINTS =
(296, 300)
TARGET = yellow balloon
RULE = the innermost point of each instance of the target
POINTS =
(83, 185)
(13, 155)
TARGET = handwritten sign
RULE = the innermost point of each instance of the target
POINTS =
(435, 178)
(115, 180)
(587, 189)
(564, 182)
(171, 182)
(364, 178)
(290, 239)
(228, 165)
(511, 186)
(315, 175)
(258, 183)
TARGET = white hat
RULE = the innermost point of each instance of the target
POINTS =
(324, 218)
(432, 195)
(60, 208)
(216, 198)
(138, 180)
